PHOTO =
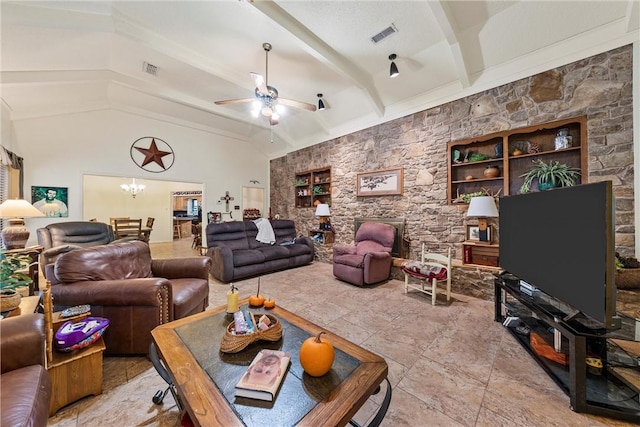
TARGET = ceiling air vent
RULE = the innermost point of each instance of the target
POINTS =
(150, 68)
(390, 30)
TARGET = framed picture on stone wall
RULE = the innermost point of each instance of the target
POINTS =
(387, 182)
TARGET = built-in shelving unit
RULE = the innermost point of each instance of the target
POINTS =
(513, 152)
(313, 187)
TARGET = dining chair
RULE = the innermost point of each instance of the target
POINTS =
(431, 269)
(127, 228)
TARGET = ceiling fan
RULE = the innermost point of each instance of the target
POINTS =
(266, 97)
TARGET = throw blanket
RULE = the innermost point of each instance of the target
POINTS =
(424, 271)
(265, 231)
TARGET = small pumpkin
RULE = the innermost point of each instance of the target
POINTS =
(316, 355)
(269, 303)
(256, 300)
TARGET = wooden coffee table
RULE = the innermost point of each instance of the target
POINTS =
(205, 378)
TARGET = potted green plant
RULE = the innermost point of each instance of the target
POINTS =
(11, 278)
(550, 174)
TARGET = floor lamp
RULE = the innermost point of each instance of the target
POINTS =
(483, 207)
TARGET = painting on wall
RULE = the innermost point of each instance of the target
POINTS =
(387, 182)
(51, 201)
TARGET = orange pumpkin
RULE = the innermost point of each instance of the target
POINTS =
(316, 355)
(256, 300)
(269, 303)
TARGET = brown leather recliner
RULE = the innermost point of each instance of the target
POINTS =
(25, 394)
(121, 282)
(62, 237)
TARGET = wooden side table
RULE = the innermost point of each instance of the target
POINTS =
(73, 375)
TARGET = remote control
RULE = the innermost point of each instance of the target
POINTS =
(74, 311)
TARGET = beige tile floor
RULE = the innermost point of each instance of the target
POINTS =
(449, 365)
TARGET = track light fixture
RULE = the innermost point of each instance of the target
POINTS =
(320, 102)
(393, 72)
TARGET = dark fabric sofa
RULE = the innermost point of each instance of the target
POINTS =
(236, 254)
(25, 394)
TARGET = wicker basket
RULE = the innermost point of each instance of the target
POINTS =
(234, 343)
(9, 300)
(628, 278)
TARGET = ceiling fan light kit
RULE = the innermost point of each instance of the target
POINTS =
(320, 102)
(393, 71)
(266, 100)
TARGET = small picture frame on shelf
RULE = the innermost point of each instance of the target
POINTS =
(473, 233)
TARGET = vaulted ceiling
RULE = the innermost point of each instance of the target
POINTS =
(62, 57)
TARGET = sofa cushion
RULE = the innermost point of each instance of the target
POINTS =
(298, 249)
(354, 260)
(230, 234)
(368, 246)
(188, 296)
(247, 257)
(116, 261)
(274, 252)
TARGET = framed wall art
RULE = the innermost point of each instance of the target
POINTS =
(387, 182)
(51, 201)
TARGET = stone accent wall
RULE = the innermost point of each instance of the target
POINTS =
(599, 87)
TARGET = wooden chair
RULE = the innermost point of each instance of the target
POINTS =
(432, 268)
(127, 228)
(196, 230)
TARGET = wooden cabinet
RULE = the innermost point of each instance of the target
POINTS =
(480, 253)
(514, 152)
(313, 186)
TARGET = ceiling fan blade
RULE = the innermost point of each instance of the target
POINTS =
(297, 104)
(260, 83)
(234, 101)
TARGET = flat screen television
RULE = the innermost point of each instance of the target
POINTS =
(562, 242)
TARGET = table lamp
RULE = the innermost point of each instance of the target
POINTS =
(322, 210)
(15, 234)
(483, 207)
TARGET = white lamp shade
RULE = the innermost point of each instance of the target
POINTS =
(483, 206)
(18, 208)
(322, 210)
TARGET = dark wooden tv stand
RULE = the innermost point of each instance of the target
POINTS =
(590, 391)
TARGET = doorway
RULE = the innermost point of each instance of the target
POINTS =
(253, 198)
(103, 198)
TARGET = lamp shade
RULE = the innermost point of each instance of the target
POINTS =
(15, 235)
(322, 210)
(483, 206)
(18, 208)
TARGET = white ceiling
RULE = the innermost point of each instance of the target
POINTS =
(61, 57)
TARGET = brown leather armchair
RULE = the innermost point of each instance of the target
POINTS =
(62, 237)
(25, 394)
(369, 261)
(121, 282)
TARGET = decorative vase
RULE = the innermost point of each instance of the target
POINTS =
(491, 171)
(9, 300)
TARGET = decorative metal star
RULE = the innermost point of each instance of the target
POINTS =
(153, 154)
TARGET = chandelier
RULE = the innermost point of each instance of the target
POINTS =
(133, 188)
